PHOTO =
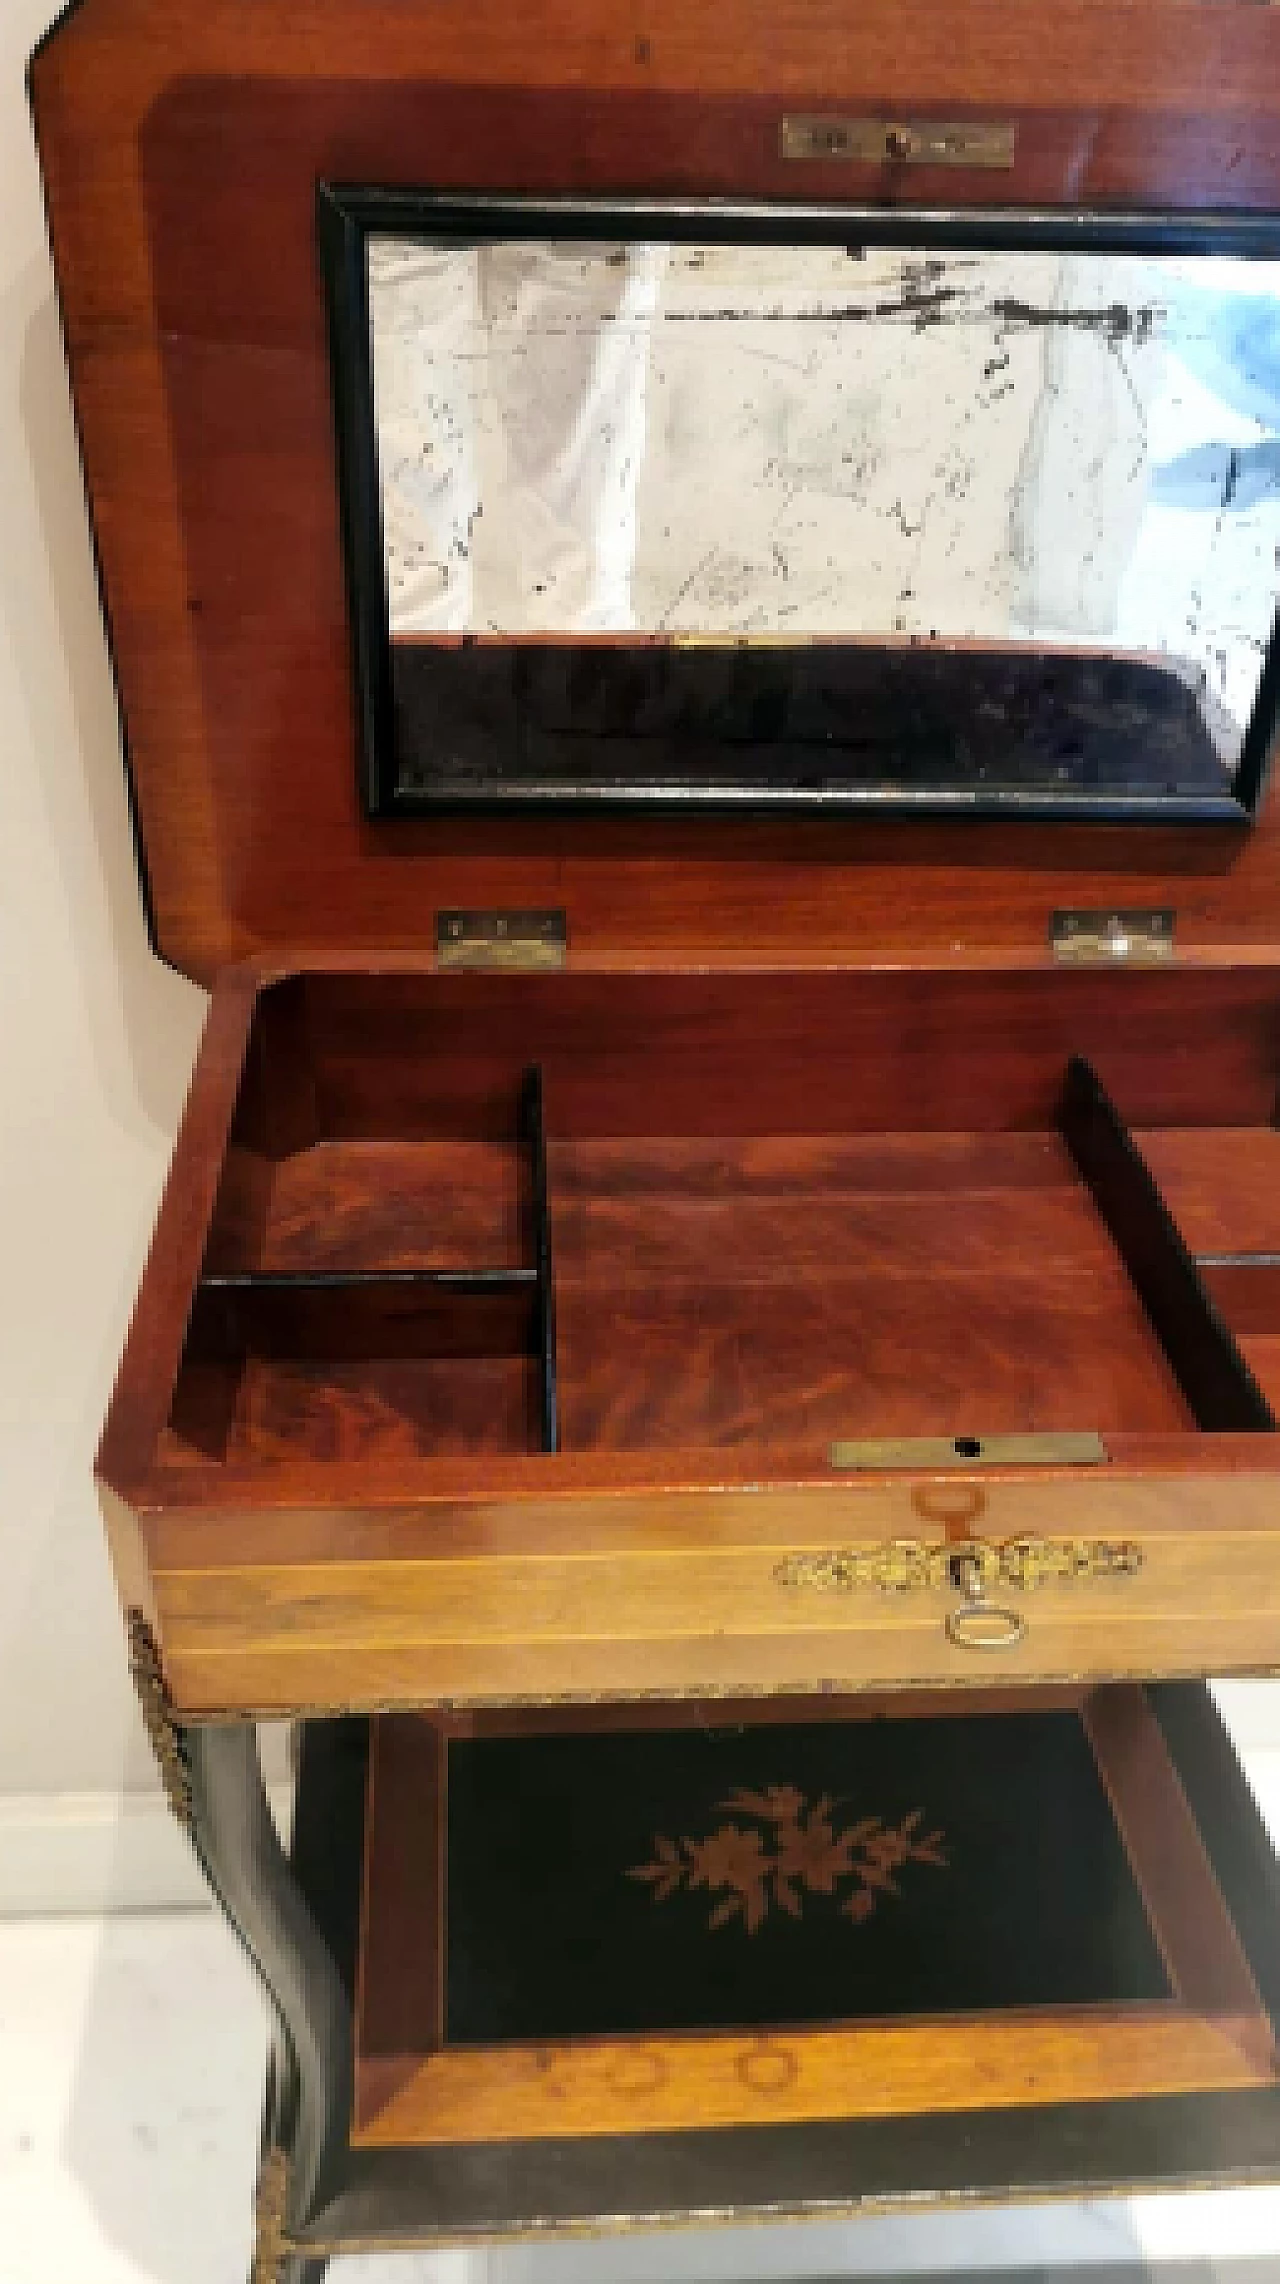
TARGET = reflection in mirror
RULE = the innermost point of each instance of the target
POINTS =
(745, 520)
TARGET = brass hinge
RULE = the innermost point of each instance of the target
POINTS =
(1108, 938)
(502, 939)
(899, 142)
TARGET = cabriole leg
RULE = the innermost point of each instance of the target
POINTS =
(213, 1779)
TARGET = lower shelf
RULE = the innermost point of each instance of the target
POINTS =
(616, 1971)
(615, 1931)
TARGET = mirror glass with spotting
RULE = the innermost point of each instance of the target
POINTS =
(822, 524)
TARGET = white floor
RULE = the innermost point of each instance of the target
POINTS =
(130, 2076)
(131, 2059)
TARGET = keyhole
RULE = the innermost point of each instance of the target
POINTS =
(966, 1575)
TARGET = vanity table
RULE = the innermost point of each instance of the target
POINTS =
(693, 605)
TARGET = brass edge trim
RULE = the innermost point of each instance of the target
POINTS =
(163, 1732)
(780, 2215)
(272, 2246)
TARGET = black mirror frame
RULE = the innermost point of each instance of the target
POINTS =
(347, 215)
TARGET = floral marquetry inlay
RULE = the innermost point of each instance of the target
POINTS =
(790, 1848)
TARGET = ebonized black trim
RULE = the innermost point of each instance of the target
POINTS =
(1219, 1387)
(326, 1851)
(458, 2196)
(342, 259)
(310, 2089)
(348, 213)
(1258, 749)
(326, 1860)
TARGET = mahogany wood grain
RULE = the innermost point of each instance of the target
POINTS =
(351, 1203)
(1222, 1185)
(393, 1365)
(398, 1050)
(1262, 1355)
(1247, 1291)
(843, 1357)
(402, 1932)
(1219, 1486)
(383, 1406)
(1200, 1947)
(149, 1367)
(713, 1295)
(181, 143)
(1220, 1391)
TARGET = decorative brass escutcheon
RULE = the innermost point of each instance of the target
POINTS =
(905, 1566)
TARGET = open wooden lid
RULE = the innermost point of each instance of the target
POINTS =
(182, 143)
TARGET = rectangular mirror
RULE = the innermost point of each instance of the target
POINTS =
(694, 513)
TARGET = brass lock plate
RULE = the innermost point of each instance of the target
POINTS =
(1072, 1449)
(899, 142)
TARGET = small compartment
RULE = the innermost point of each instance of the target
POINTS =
(376, 1282)
(352, 1148)
(356, 1367)
(1246, 1289)
(1223, 1185)
(637, 1922)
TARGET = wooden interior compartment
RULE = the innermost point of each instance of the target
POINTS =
(1223, 1186)
(392, 1366)
(374, 1282)
(356, 1147)
(1247, 1293)
(488, 1212)
(989, 1901)
(804, 1289)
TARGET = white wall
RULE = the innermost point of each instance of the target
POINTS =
(96, 1045)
